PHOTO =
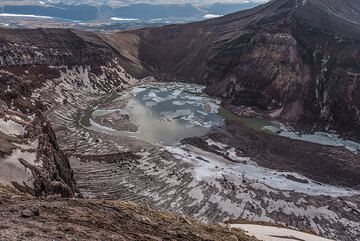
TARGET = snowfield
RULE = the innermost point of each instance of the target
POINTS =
(23, 16)
(210, 165)
(11, 128)
(270, 233)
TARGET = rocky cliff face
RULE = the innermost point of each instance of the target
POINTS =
(41, 70)
(295, 60)
(31, 159)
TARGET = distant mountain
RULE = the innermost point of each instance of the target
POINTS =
(70, 12)
(149, 11)
(226, 8)
(87, 12)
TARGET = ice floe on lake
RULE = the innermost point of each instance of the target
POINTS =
(166, 113)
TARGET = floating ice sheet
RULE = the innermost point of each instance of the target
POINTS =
(167, 113)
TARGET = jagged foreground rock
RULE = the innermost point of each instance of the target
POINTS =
(76, 219)
(31, 159)
(296, 60)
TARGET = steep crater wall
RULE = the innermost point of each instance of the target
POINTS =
(41, 71)
(280, 57)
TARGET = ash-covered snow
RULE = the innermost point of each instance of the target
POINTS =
(11, 128)
(210, 165)
(11, 170)
(32, 146)
(324, 139)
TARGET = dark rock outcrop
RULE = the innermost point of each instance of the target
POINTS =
(57, 176)
(46, 170)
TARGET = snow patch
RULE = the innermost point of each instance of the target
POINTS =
(124, 19)
(270, 233)
(11, 170)
(24, 15)
(324, 139)
(32, 146)
(11, 128)
(210, 16)
(97, 126)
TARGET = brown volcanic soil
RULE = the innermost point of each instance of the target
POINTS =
(26, 218)
(326, 164)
